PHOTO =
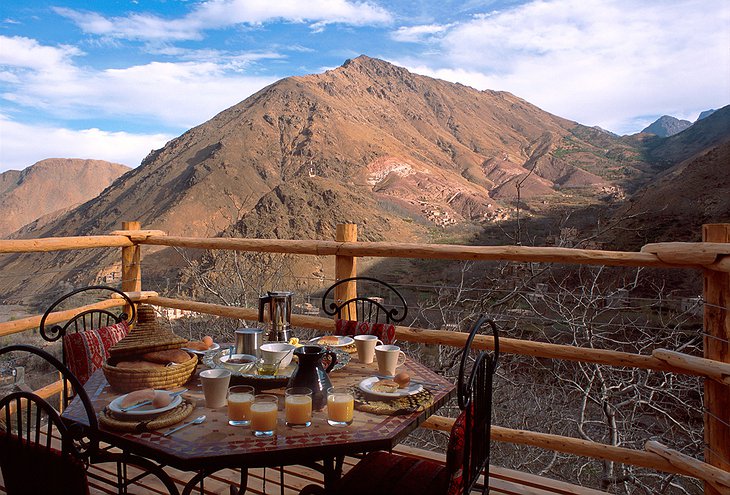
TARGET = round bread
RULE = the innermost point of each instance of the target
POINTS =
(169, 356)
(384, 386)
(138, 365)
(197, 345)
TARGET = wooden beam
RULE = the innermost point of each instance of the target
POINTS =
(424, 251)
(719, 479)
(346, 267)
(717, 348)
(688, 253)
(62, 243)
(131, 267)
(706, 367)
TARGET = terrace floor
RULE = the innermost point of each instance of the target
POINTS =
(502, 481)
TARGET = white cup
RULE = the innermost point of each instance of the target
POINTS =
(389, 358)
(366, 347)
(277, 353)
(215, 387)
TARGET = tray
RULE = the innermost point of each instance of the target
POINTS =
(212, 359)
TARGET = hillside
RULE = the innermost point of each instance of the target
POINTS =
(49, 186)
(404, 155)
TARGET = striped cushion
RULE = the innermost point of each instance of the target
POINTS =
(86, 351)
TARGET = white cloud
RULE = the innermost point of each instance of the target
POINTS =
(586, 58)
(218, 14)
(23, 145)
(419, 33)
(179, 95)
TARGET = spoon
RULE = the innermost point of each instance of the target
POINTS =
(196, 421)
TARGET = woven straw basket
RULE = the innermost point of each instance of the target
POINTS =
(147, 336)
(128, 380)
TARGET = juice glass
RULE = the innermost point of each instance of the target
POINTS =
(340, 406)
(240, 399)
(298, 406)
(263, 414)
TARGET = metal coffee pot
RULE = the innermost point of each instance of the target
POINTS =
(279, 304)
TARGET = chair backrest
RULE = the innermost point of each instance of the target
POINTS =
(474, 392)
(371, 308)
(29, 425)
(85, 320)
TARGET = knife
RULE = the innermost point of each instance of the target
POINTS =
(144, 403)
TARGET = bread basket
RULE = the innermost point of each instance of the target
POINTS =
(147, 336)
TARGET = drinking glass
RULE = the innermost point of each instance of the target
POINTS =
(340, 406)
(240, 399)
(298, 406)
(263, 414)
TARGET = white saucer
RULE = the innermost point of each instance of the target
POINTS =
(342, 341)
(214, 347)
(142, 412)
(367, 386)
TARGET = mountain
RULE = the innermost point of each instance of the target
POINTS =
(405, 156)
(705, 134)
(706, 113)
(666, 126)
(678, 202)
(51, 185)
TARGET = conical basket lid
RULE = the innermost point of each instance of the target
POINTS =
(147, 336)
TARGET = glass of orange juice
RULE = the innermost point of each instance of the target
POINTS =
(263, 415)
(240, 399)
(340, 406)
(298, 406)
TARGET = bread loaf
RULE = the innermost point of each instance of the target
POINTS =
(329, 340)
(168, 356)
(197, 345)
(137, 396)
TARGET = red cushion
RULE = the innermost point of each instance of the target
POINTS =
(86, 351)
(383, 473)
(455, 455)
(384, 331)
(32, 469)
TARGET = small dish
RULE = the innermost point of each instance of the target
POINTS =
(277, 353)
(143, 412)
(367, 386)
(241, 363)
(214, 347)
(342, 341)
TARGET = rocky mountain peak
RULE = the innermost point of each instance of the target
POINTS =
(666, 126)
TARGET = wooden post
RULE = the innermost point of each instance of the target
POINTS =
(346, 267)
(131, 268)
(716, 347)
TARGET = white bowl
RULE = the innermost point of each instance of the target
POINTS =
(277, 352)
(239, 362)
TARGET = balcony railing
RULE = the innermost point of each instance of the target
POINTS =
(711, 258)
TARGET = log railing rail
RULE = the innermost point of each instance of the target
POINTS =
(711, 257)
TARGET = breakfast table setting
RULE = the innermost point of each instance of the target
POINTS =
(266, 404)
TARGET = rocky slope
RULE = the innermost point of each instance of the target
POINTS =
(49, 186)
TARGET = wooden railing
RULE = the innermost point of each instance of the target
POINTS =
(711, 257)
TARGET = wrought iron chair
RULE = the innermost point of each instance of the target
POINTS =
(467, 456)
(31, 429)
(87, 337)
(367, 308)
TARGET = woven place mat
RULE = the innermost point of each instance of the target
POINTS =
(175, 415)
(400, 405)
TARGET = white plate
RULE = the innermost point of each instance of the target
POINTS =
(343, 341)
(142, 412)
(367, 386)
(214, 347)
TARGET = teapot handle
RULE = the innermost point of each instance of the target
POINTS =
(263, 300)
(333, 362)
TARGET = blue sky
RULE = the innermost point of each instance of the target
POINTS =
(113, 80)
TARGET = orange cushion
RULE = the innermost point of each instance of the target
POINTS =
(86, 351)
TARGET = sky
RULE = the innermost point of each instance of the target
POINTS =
(116, 79)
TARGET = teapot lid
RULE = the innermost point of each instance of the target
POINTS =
(279, 293)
